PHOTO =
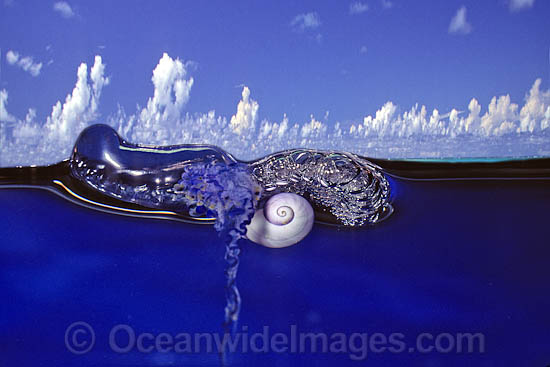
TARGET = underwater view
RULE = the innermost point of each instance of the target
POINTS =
(386, 206)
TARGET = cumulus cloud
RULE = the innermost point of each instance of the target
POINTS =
(26, 63)
(312, 130)
(535, 109)
(389, 132)
(306, 21)
(80, 107)
(517, 5)
(64, 9)
(502, 117)
(459, 24)
(502, 128)
(52, 141)
(247, 114)
(165, 108)
(4, 115)
(358, 7)
(12, 57)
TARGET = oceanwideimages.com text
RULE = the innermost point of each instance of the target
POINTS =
(80, 338)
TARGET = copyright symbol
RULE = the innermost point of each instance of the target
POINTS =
(79, 337)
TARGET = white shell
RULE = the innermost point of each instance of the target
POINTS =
(284, 221)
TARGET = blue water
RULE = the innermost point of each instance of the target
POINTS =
(456, 256)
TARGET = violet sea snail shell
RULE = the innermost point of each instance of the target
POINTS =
(284, 221)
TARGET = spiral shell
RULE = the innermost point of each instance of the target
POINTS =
(284, 221)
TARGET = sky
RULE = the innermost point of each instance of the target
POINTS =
(332, 74)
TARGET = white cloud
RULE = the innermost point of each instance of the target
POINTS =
(98, 80)
(459, 24)
(306, 21)
(502, 117)
(517, 5)
(63, 8)
(503, 129)
(4, 115)
(12, 57)
(313, 128)
(171, 94)
(247, 114)
(363, 49)
(536, 108)
(30, 142)
(31, 115)
(358, 7)
(26, 63)
(80, 107)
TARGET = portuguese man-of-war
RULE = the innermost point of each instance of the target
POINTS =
(272, 201)
(227, 192)
(201, 181)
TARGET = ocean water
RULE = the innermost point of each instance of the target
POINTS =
(455, 275)
(235, 184)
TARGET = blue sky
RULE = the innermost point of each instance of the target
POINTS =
(410, 55)
(297, 57)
